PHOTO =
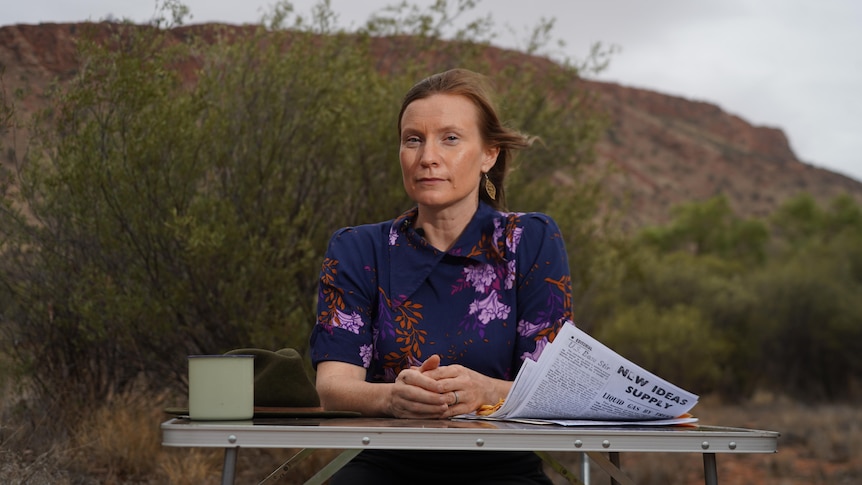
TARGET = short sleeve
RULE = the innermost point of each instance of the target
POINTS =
(544, 288)
(346, 300)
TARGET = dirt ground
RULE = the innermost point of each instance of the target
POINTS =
(818, 445)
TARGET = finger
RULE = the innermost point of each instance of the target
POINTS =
(414, 381)
(447, 372)
(458, 404)
(420, 410)
(411, 401)
(430, 363)
(437, 413)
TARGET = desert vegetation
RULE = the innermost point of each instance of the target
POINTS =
(177, 196)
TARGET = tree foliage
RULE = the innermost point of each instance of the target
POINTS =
(178, 197)
(750, 305)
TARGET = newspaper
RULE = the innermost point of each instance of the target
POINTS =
(579, 381)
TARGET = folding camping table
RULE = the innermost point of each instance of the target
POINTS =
(352, 435)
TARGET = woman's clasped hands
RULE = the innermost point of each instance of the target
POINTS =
(432, 391)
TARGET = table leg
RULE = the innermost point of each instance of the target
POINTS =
(559, 468)
(585, 468)
(332, 467)
(228, 471)
(710, 471)
(615, 460)
(612, 470)
(282, 470)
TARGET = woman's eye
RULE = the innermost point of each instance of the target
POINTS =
(411, 140)
(451, 138)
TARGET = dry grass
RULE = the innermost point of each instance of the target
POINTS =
(119, 442)
(191, 466)
(23, 468)
(818, 445)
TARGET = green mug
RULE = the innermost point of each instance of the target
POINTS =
(221, 387)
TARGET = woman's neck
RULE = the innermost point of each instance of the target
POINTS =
(442, 228)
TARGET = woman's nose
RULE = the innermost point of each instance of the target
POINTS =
(429, 155)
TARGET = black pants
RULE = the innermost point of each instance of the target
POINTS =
(382, 467)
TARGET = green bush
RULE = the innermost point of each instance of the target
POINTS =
(178, 197)
(678, 343)
(773, 309)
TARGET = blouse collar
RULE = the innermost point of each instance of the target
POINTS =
(412, 258)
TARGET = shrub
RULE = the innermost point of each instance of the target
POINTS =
(178, 196)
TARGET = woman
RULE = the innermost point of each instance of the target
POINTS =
(430, 315)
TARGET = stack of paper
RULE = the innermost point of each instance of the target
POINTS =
(579, 381)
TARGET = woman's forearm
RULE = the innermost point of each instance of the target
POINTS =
(342, 387)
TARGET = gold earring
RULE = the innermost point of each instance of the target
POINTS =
(490, 188)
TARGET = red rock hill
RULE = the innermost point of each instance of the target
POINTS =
(663, 150)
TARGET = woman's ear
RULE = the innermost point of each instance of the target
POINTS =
(490, 159)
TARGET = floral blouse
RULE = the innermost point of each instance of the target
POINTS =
(388, 299)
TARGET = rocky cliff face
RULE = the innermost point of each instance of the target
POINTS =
(33, 56)
(660, 150)
(665, 150)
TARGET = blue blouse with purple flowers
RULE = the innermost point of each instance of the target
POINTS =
(388, 299)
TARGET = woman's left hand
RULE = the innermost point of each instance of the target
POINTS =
(468, 389)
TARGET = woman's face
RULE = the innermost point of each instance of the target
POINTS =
(442, 152)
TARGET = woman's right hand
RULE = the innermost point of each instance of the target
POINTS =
(415, 395)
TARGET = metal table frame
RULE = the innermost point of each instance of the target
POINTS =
(601, 444)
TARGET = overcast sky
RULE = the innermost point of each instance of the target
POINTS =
(790, 64)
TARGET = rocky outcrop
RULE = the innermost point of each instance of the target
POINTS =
(658, 151)
(663, 150)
